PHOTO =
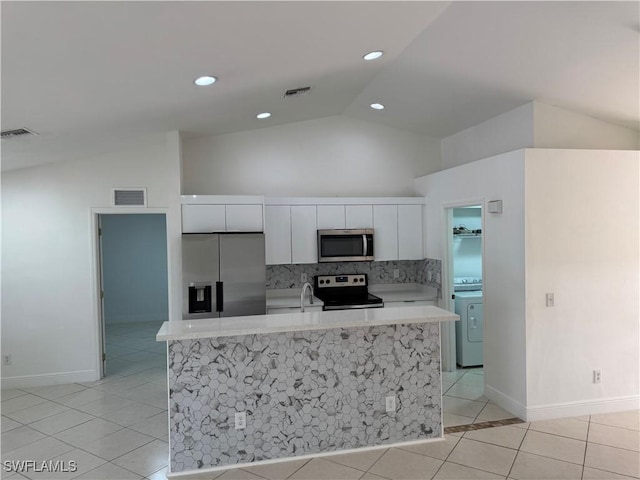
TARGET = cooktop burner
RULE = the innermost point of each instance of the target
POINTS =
(341, 292)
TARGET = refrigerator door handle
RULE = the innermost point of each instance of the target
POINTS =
(219, 297)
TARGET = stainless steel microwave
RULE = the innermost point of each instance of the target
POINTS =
(350, 245)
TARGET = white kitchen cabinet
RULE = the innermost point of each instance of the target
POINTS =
(385, 223)
(410, 232)
(304, 236)
(277, 233)
(330, 216)
(359, 216)
(203, 218)
(244, 218)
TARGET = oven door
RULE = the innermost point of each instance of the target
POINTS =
(345, 245)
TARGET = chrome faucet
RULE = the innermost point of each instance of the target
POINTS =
(304, 289)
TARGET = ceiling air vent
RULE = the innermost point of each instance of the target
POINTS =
(297, 92)
(18, 132)
(129, 197)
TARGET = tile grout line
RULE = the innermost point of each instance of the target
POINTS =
(519, 447)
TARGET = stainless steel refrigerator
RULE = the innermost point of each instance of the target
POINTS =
(223, 275)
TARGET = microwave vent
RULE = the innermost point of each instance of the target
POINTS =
(129, 197)
(18, 132)
(297, 92)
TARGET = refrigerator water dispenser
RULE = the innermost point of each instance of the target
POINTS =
(200, 298)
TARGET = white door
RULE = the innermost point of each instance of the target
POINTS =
(385, 224)
(359, 216)
(330, 217)
(304, 234)
(103, 333)
(277, 233)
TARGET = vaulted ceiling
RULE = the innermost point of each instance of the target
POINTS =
(90, 77)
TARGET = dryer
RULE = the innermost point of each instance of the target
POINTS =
(469, 330)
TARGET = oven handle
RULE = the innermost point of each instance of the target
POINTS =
(365, 244)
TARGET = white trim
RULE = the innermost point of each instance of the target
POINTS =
(46, 379)
(222, 199)
(95, 269)
(505, 401)
(344, 200)
(302, 457)
(585, 407)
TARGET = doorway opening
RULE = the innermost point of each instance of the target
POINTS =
(463, 378)
(133, 277)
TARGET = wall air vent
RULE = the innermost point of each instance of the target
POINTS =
(129, 197)
(18, 132)
(297, 92)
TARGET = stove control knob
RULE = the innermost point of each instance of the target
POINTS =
(328, 281)
(321, 282)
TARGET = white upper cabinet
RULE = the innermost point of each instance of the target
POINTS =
(244, 218)
(330, 217)
(203, 218)
(277, 233)
(304, 237)
(385, 224)
(410, 232)
(359, 216)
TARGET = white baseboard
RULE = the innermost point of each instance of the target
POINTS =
(505, 401)
(585, 407)
(45, 379)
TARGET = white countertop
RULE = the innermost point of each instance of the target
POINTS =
(295, 322)
(404, 292)
(289, 298)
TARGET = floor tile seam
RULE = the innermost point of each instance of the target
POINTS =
(584, 459)
(613, 446)
(376, 462)
(39, 419)
(556, 435)
(476, 468)
(115, 431)
(520, 446)
(607, 471)
(126, 453)
(448, 455)
(616, 426)
(297, 469)
(77, 425)
(487, 443)
(551, 458)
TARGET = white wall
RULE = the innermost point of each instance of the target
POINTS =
(495, 178)
(328, 156)
(507, 132)
(535, 125)
(49, 323)
(582, 244)
(559, 128)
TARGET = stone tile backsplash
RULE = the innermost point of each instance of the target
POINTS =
(303, 393)
(426, 272)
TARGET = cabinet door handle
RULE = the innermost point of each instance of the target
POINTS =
(219, 296)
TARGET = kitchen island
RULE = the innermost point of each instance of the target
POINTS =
(307, 383)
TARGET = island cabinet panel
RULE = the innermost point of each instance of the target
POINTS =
(304, 234)
(304, 392)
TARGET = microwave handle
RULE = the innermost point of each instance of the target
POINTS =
(365, 244)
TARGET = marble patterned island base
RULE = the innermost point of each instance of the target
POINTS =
(303, 393)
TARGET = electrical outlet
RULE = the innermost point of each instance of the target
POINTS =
(6, 359)
(396, 273)
(551, 301)
(597, 376)
(303, 278)
(241, 420)
(390, 403)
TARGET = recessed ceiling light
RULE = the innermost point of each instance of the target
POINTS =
(205, 80)
(373, 55)
(377, 106)
(263, 115)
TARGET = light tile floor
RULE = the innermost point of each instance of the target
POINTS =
(463, 399)
(117, 429)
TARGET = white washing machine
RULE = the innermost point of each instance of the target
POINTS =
(469, 330)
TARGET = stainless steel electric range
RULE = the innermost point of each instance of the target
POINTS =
(343, 292)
